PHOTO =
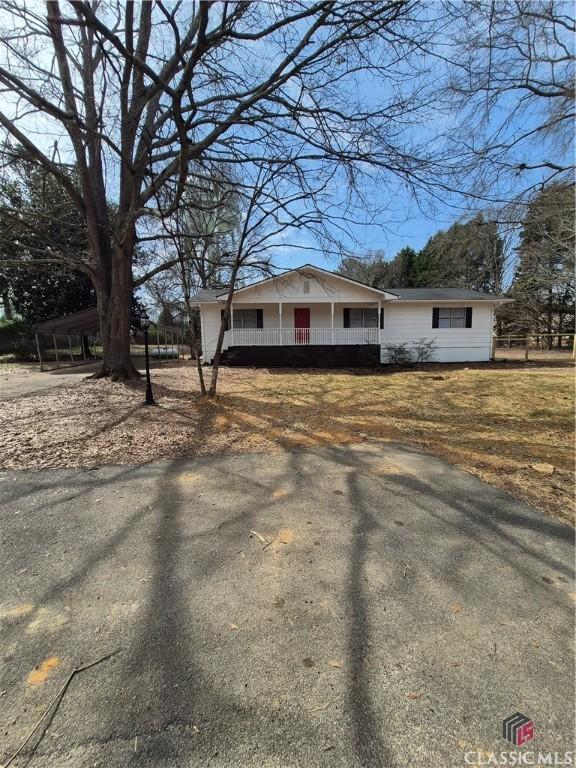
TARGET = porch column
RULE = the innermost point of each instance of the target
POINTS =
(280, 341)
(332, 320)
(231, 324)
(378, 326)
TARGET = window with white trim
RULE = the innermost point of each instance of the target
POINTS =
(452, 317)
(363, 318)
(245, 318)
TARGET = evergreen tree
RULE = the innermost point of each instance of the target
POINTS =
(369, 269)
(41, 294)
(43, 249)
(43, 245)
(467, 255)
(543, 286)
(399, 273)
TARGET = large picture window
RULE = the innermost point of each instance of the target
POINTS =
(363, 318)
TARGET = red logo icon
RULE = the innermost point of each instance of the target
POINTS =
(518, 729)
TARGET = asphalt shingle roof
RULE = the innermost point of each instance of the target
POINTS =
(208, 295)
(442, 294)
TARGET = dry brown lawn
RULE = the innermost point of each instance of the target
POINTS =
(496, 422)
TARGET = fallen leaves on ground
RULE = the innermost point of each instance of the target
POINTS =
(499, 423)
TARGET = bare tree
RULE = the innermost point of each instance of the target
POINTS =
(282, 209)
(511, 76)
(135, 93)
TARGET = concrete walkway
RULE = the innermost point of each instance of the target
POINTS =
(346, 606)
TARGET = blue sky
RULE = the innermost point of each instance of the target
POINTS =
(402, 220)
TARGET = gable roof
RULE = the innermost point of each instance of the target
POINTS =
(208, 295)
(445, 294)
(211, 295)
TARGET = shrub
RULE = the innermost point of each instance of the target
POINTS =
(398, 354)
(17, 339)
(422, 351)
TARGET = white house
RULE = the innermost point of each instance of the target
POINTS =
(309, 316)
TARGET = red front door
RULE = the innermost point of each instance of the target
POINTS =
(302, 325)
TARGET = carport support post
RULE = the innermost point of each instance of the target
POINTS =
(70, 348)
(56, 350)
(39, 353)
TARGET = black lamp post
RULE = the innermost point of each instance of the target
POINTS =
(145, 323)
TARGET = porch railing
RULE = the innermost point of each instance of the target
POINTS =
(279, 337)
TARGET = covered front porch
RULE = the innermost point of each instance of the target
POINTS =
(315, 324)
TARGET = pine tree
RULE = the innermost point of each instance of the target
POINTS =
(543, 286)
(399, 273)
(467, 255)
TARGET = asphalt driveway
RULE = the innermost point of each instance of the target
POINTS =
(345, 606)
(22, 380)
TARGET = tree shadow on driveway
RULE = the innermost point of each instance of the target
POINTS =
(381, 560)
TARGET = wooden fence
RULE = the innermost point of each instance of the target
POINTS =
(537, 346)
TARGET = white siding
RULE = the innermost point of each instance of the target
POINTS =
(210, 320)
(404, 323)
(320, 314)
(320, 317)
(408, 322)
(290, 288)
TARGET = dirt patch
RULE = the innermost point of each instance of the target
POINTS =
(497, 423)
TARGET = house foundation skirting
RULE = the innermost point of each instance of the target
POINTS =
(305, 356)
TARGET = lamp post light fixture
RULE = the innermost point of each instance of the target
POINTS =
(145, 323)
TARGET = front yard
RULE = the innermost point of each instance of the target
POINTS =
(511, 426)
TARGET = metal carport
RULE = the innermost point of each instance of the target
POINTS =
(87, 323)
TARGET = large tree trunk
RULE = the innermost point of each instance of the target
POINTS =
(197, 351)
(114, 296)
(223, 326)
(7, 305)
